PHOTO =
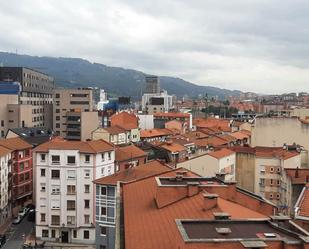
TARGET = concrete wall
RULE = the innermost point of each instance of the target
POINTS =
(89, 123)
(274, 132)
(5, 100)
(245, 171)
(145, 122)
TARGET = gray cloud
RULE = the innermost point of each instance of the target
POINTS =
(251, 45)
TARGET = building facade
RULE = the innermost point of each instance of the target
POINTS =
(74, 116)
(34, 107)
(65, 202)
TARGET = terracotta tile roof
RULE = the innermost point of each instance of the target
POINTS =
(246, 132)
(4, 151)
(221, 153)
(266, 152)
(171, 115)
(91, 147)
(220, 124)
(133, 174)
(114, 130)
(155, 133)
(125, 120)
(15, 143)
(304, 205)
(239, 135)
(228, 138)
(128, 152)
(195, 135)
(147, 227)
(173, 147)
(212, 141)
(298, 176)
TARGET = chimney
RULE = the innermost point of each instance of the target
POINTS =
(210, 201)
(192, 188)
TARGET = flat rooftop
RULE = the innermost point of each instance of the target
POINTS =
(206, 230)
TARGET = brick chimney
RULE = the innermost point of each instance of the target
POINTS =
(192, 188)
(210, 201)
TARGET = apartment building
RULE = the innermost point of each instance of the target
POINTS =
(64, 175)
(74, 115)
(128, 157)
(262, 171)
(108, 203)
(112, 134)
(34, 106)
(222, 161)
(158, 102)
(5, 187)
(20, 177)
(128, 122)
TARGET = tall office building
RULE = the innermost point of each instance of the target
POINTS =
(152, 84)
(74, 114)
(32, 104)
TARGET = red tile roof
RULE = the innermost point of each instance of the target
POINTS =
(155, 133)
(4, 151)
(147, 226)
(239, 135)
(212, 141)
(221, 153)
(128, 152)
(298, 176)
(173, 147)
(136, 173)
(15, 143)
(171, 115)
(302, 204)
(220, 124)
(125, 120)
(114, 130)
(90, 147)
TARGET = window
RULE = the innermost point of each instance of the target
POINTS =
(55, 220)
(71, 174)
(71, 220)
(57, 118)
(55, 174)
(43, 217)
(57, 95)
(43, 157)
(278, 170)
(109, 156)
(271, 196)
(44, 233)
(57, 125)
(103, 231)
(86, 234)
(55, 159)
(103, 211)
(87, 219)
(87, 203)
(102, 247)
(278, 196)
(55, 189)
(43, 172)
(87, 158)
(271, 169)
(278, 182)
(71, 159)
(103, 190)
(27, 176)
(70, 205)
(271, 181)
(103, 157)
(87, 188)
(53, 233)
(43, 187)
(55, 204)
(57, 110)
(87, 173)
(74, 234)
(71, 190)
(21, 167)
(21, 177)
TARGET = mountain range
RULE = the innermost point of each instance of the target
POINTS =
(76, 72)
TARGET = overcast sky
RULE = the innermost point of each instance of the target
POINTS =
(249, 45)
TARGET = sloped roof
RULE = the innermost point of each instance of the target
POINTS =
(147, 226)
(128, 152)
(221, 153)
(172, 114)
(133, 174)
(114, 130)
(155, 133)
(173, 147)
(239, 135)
(125, 120)
(302, 204)
(15, 143)
(90, 147)
(4, 151)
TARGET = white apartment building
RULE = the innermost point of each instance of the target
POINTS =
(5, 169)
(64, 175)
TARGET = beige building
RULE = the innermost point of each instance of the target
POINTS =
(26, 98)
(74, 115)
(213, 163)
(262, 170)
(112, 134)
(275, 132)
